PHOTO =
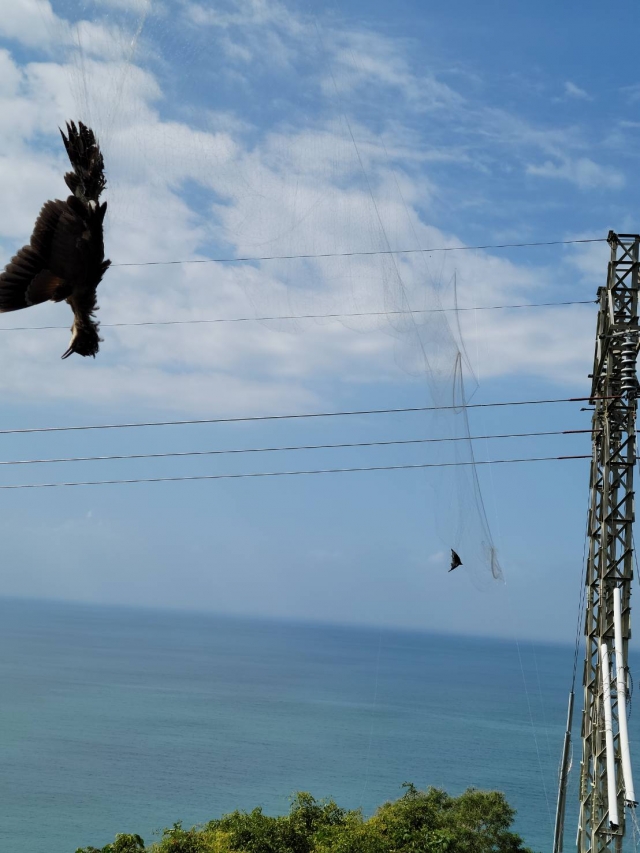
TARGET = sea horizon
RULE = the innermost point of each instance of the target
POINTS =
(285, 620)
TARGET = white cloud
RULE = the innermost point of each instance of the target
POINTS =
(30, 22)
(26, 180)
(10, 75)
(101, 40)
(573, 91)
(534, 342)
(581, 171)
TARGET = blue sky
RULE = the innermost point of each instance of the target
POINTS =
(261, 128)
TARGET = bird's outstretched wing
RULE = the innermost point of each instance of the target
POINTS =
(87, 179)
(455, 560)
(40, 270)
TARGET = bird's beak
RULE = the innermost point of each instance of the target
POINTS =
(69, 352)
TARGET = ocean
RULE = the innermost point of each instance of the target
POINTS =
(125, 720)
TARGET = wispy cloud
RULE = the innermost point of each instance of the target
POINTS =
(573, 91)
(632, 92)
(582, 172)
(365, 60)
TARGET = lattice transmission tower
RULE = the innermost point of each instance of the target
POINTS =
(606, 783)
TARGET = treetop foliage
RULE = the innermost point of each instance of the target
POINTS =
(428, 821)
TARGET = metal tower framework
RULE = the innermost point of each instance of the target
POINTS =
(606, 785)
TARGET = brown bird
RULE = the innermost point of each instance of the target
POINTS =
(64, 259)
(455, 560)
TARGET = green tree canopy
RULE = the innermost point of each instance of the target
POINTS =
(428, 821)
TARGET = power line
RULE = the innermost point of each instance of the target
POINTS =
(310, 316)
(250, 418)
(358, 254)
(254, 474)
(407, 441)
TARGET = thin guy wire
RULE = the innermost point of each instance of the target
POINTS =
(336, 316)
(254, 474)
(582, 598)
(284, 449)
(250, 418)
(358, 254)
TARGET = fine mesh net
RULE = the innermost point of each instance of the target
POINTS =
(320, 206)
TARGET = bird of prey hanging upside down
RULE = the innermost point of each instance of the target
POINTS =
(455, 560)
(64, 259)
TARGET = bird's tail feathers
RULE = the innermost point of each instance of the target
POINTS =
(87, 179)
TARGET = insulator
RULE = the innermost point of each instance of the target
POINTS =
(628, 354)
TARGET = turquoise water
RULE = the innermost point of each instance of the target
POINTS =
(117, 720)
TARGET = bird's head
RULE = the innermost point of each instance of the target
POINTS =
(85, 340)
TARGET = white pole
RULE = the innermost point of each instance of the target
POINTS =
(621, 682)
(608, 731)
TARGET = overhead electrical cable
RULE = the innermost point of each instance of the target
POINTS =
(251, 418)
(365, 253)
(336, 316)
(254, 474)
(390, 443)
